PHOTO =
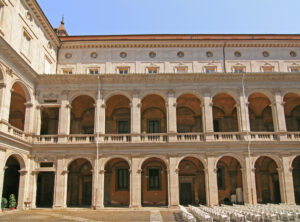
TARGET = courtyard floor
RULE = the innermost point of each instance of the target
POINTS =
(87, 215)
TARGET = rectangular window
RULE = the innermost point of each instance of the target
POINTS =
(94, 71)
(67, 71)
(210, 69)
(123, 70)
(47, 66)
(181, 69)
(122, 179)
(123, 126)
(26, 44)
(239, 69)
(154, 182)
(152, 70)
(46, 164)
(220, 178)
(153, 126)
(295, 69)
(267, 68)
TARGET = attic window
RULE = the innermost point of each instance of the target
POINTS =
(50, 101)
(46, 164)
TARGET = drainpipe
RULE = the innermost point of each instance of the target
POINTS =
(224, 58)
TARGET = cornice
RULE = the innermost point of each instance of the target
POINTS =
(165, 78)
(43, 20)
(179, 44)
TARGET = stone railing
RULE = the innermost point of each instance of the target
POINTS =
(293, 136)
(81, 138)
(263, 136)
(44, 139)
(117, 138)
(190, 137)
(227, 136)
(154, 137)
(13, 131)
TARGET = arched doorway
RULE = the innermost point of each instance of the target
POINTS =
(296, 179)
(154, 183)
(189, 114)
(260, 113)
(117, 183)
(292, 111)
(45, 189)
(229, 180)
(79, 183)
(224, 113)
(17, 107)
(117, 115)
(11, 178)
(82, 115)
(191, 182)
(153, 114)
(267, 181)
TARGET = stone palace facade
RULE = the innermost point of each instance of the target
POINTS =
(145, 120)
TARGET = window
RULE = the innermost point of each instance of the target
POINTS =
(47, 66)
(67, 71)
(123, 70)
(154, 179)
(220, 178)
(46, 164)
(210, 69)
(239, 69)
(267, 68)
(26, 44)
(181, 69)
(123, 126)
(152, 70)
(94, 71)
(122, 180)
(295, 69)
(153, 126)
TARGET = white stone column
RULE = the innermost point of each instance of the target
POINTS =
(60, 185)
(98, 185)
(171, 117)
(286, 182)
(279, 116)
(136, 118)
(135, 183)
(173, 183)
(38, 120)
(207, 117)
(29, 118)
(100, 117)
(243, 115)
(64, 118)
(5, 106)
(32, 187)
(22, 188)
(212, 197)
(2, 165)
(248, 178)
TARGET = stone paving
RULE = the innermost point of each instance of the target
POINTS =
(87, 215)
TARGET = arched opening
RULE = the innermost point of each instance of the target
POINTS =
(117, 115)
(267, 181)
(154, 183)
(189, 114)
(229, 180)
(117, 183)
(17, 107)
(45, 189)
(296, 179)
(224, 113)
(49, 121)
(191, 182)
(79, 183)
(260, 113)
(82, 115)
(153, 114)
(292, 111)
(11, 178)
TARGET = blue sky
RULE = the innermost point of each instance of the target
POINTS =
(104, 17)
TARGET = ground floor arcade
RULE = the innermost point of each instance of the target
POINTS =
(151, 180)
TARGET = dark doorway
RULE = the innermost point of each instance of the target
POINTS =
(11, 178)
(45, 189)
(186, 195)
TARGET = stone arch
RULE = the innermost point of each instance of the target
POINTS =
(19, 158)
(290, 91)
(233, 155)
(70, 161)
(265, 92)
(231, 93)
(164, 159)
(192, 92)
(201, 159)
(117, 182)
(152, 92)
(102, 167)
(25, 88)
(115, 93)
(78, 94)
(291, 102)
(276, 158)
(191, 177)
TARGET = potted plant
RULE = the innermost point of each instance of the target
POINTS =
(12, 202)
(3, 203)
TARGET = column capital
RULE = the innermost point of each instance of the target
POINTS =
(28, 104)
(2, 85)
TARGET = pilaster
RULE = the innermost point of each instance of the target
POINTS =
(60, 185)
(64, 117)
(135, 117)
(207, 116)
(211, 182)
(173, 183)
(135, 183)
(286, 181)
(279, 116)
(171, 116)
(249, 185)
(243, 115)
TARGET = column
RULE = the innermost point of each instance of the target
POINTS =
(60, 186)
(29, 117)
(38, 120)
(32, 187)
(135, 183)
(98, 185)
(279, 116)
(207, 116)
(243, 115)
(286, 182)
(173, 183)
(22, 188)
(249, 186)
(100, 116)
(5, 106)
(135, 117)
(211, 182)
(64, 118)
(2, 165)
(171, 117)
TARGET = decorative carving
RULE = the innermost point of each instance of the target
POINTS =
(50, 96)
(28, 105)
(9, 71)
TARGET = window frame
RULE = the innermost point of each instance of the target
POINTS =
(159, 187)
(96, 69)
(123, 120)
(208, 69)
(151, 68)
(181, 69)
(67, 71)
(26, 37)
(239, 69)
(123, 68)
(49, 62)
(295, 68)
(121, 188)
(154, 120)
(264, 68)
